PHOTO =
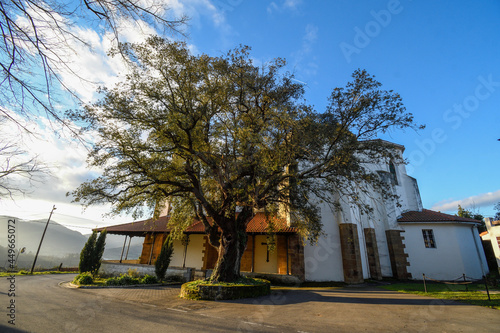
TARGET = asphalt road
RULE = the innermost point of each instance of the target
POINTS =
(44, 303)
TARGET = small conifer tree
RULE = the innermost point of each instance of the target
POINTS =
(98, 252)
(87, 253)
(163, 259)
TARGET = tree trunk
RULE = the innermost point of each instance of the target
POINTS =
(232, 245)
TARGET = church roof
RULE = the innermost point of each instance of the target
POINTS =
(427, 215)
(259, 224)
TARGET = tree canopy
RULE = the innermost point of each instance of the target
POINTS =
(469, 213)
(497, 213)
(38, 34)
(472, 214)
(39, 40)
(221, 139)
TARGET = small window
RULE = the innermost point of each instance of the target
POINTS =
(392, 170)
(429, 238)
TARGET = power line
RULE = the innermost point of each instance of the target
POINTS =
(61, 224)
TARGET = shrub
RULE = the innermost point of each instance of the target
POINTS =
(84, 278)
(133, 273)
(86, 254)
(127, 280)
(91, 255)
(98, 252)
(112, 282)
(149, 279)
(163, 259)
(175, 278)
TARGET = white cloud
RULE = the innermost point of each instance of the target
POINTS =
(93, 67)
(67, 161)
(476, 201)
(291, 5)
(304, 59)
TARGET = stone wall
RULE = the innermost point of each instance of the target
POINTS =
(111, 268)
(372, 253)
(351, 258)
(399, 259)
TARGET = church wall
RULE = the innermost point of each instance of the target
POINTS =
(323, 261)
(454, 253)
(178, 255)
(194, 255)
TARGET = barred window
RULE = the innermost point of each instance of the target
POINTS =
(429, 238)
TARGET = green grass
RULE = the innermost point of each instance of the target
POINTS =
(4, 274)
(470, 294)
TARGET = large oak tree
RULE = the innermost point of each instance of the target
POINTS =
(221, 139)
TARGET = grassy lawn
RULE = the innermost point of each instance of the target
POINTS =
(471, 294)
(4, 274)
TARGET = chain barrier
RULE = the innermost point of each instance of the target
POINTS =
(455, 282)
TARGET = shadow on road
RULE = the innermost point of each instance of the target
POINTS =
(284, 296)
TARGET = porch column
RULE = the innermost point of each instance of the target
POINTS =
(128, 247)
(123, 249)
(152, 248)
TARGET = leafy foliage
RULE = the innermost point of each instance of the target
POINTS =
(148, 279)
(471, 214)
(40, 37)
(163, 260)
(221, 139)
(497, 213)
(86, 256)
(98, 252)
(91, 255)
(84, 278)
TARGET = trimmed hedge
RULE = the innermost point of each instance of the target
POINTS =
(204, 290)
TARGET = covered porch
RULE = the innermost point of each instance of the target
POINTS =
(279, 255)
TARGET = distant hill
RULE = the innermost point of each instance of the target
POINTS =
(59, 243)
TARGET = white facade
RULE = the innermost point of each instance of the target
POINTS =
(493, 236)
(457, 251)
(398, 239)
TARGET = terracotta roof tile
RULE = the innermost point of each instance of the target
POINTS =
(257, 225)
(431, 216)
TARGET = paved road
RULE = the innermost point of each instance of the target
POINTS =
(44, 304)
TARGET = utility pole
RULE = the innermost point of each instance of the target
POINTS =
(41, 240)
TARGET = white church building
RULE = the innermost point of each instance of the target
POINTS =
(400, 240)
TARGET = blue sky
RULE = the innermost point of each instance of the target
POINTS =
(437, 55)
(441, 56)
